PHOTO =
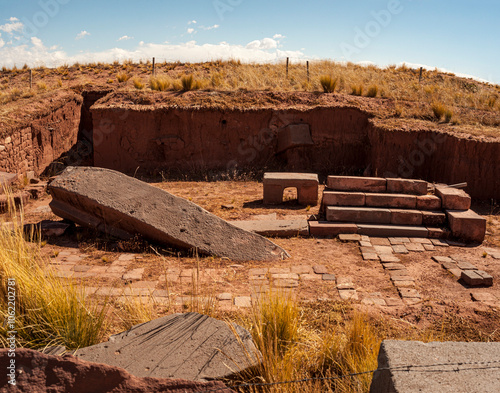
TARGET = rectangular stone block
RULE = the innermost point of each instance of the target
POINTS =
(337, 198)
(391, 200)
(467, 225)
(471, 278)
(487, 278)
(392, 230)
(329, 229)
(275, 228)
(406, 217)
(355, 183)
(428, 202)
(433, 218)
(306, 183)
(453, 198)
(358, 214)
(294, 135)
(438, 233)
(407, 186)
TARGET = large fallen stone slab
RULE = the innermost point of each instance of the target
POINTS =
(189, 346)
(123, 206)
(437, 367)
(37, 372)
(277, 228)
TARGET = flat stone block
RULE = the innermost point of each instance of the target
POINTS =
(464, 265)
(275, 228)
(453, 198)
(370, 249)
(456, 272)
(285, 276)
(348, 294)
(429, 247)
(285, 283)
(349, 237)
(387, 250)
(415, 247)
(391, 230)
(308, 277)
(258, 271)
(320, 269)
(391, 200)
(375, 301)
(389, 259)
(487, 278)
(398, 240)
(437, 233)
(407, 186)
(472, 278)
(402, 277)
(338, 198)
(484, 297)
(354, 183)
(370, 256)
(439, 243)
(368, 244)
(406, 217)
(394, 302)
(329, 229)
(380, 241)
(420, 240)
(467, 225)
(393, 266)
(409, 293)
(358, 214)
(279, 270)
(301, 269)
(328, 277)
(428, 202)
(345, 282)
(404, 284)
(449, 265)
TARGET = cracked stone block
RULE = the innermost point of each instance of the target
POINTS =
(471, 278)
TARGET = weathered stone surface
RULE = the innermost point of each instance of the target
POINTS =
(122, 206)
(305, 183)
(349, 237)
(438, 233)
(338, 198)
(188, 346)
(428, 202)
(330, 229)
(358, 214)
(456, 371)
(415, 247)
(433, 218)
(476, 278)
(407, 186)
(467, 225)
(392, 230)
(406, 217)
(348, 294)
(355, 183)
(7, 179)
(453, 198)
(391, 200)
(294, 135)
(277, 228)
(38, 372)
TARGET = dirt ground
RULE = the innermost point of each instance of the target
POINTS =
(89, 258)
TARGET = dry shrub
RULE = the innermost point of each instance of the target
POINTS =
(328, 83)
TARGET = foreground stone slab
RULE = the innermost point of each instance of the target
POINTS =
(354, 183)
(38, 372)
(305, 183)
(330, 229)
(294, 135)
(392, 230)
(407, 186)
(122, 206)
(453, 198)
(189, 346)
(358, 214)
(450, 376)
(467, 225)
(277, 228)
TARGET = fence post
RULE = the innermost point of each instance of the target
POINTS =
(154, 69)
(31, 79)
(420, 76)
(307, 62)
(287, 68)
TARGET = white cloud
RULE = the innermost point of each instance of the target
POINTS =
(190, 30)
(2, 42)
(265, 43)
(36, 54)
(278, 36)
(82, 34)
(210, 27)
(125, 38)
(192, 22)
(14, 25)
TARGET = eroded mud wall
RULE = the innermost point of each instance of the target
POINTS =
(35, 144)
(190, 140)
(437, 157)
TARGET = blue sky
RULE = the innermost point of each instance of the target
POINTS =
(460, 36)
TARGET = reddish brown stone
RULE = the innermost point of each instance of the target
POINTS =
(330, 229)
(358, 214)
(467, 225)
(433, 218)
(306, 184)
(354, 183)
(428, 202)
(337, 198)
(406, 217)
(453, 198)
(407, 186)
(61, 374)
(391, 200)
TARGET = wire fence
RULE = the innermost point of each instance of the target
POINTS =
(456, 367)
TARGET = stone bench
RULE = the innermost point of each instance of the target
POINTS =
(305, 183)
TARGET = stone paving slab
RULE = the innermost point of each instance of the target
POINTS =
(389, 259)
(348, 294)
(420, 240)
(380, 241)
(400, 249)
(320, 269)
(439, 243)
(383, 250)
(415, 247)
(349, 237)
(399, 240)
(370, 256)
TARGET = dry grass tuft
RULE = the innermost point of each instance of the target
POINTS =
(328, 83)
